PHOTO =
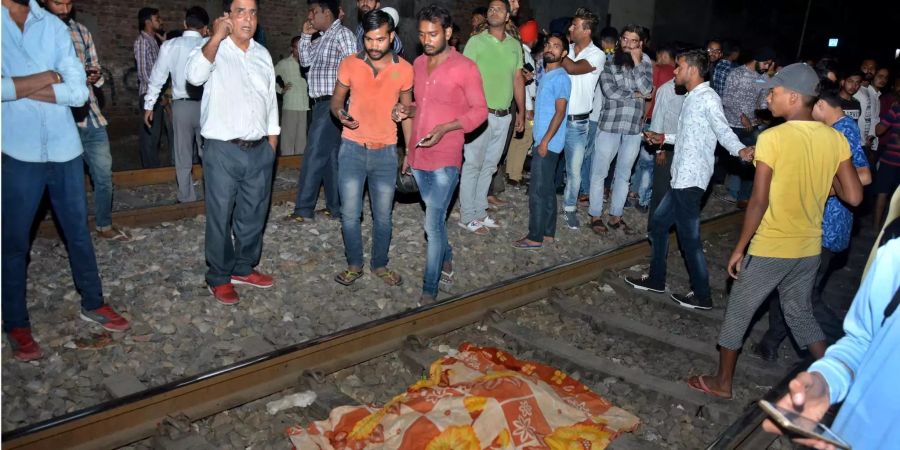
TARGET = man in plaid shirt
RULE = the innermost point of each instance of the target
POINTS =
(91, 123)
(322, 56)
(146, 50)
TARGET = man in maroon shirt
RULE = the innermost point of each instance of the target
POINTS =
(450, 102)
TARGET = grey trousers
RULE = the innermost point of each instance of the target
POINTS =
(186, 124)
(481, 158)
(759, 276)
(238, 192)
(293, 132)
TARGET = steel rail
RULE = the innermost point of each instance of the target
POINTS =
(125, 420)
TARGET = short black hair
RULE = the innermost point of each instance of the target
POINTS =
(196, 18)
(589, 20)
(479, 11)
(331, 5)
(562, 37)
(144, 14)
(376, 19)
(668, 49)
(829, 92)
(436, 13)
(696, 58)
(851, 72)
(609, 34)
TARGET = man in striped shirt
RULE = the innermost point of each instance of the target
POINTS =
(146, 50)
(91, 123)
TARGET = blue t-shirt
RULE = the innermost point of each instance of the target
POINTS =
(554, 85)
(837, 222)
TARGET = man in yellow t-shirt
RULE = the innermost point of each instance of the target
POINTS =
(798, 165)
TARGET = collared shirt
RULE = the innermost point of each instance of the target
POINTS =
(622, 109)
(870, 106)
(661, 74)
(87, 53)
(146, 49)
(173, 57)
(324, 55)
(837, 222)
(555, 85)
(745, 92)
(701, 125)
(36, 131)
(720, 75)
(239, 92)
(498, 62)
(297, 97)
(667, 109)
(396, 45)
(452, 91)
(373, 96)
(584, 85)
(861, 368)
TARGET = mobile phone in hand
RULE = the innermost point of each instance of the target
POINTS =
(422, 141)
(346, 115)
(796, 424)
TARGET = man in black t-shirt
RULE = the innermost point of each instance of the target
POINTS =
(850, 83)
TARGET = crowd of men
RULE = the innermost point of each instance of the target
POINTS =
(794, 145)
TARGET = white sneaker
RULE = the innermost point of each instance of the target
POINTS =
(490, 223)
(475, 226)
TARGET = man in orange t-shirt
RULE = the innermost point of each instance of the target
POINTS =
(376, 80)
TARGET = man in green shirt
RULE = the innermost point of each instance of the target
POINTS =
(498, 56)
(295, 102)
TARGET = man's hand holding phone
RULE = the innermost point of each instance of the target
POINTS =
(347, 120)
(433, 137)
(654, 138)
(809, 396)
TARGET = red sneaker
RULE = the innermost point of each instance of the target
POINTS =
(225, 294)
(107, 317)
(255, 279)
(23, 346)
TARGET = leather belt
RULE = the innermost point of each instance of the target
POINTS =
(500, 112)
(246, 145)
(374, 145)
(579, 116)
(314, 100)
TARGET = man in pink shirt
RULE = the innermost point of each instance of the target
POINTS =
(449, 103)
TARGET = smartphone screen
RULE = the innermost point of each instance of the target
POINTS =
(793, 422)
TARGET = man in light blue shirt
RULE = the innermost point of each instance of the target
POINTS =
(42, 78)
(861, 368)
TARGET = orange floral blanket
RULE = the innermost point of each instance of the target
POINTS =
(481, 398)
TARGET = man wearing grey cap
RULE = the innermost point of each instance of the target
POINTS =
(797, 164)
(745, 93)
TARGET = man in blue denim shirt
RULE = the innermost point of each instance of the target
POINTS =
(42, 78)
(837, 224)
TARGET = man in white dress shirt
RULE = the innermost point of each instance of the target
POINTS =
(870, 105)
(172, 59)
(701, 125)
(239, 120)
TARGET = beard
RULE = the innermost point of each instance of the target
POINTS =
(431, 50)
(550, 59)
(375, 54)
(759, 69)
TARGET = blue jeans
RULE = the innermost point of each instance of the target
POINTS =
(436, 188)
(576, 143)
(238, 187)
(740, 174)
(542, 196)
(23, 186)
(588, 158)
(679, 207)
(642, 180)
(319, 163)
(356, 165)
(625, 148)
(99, 161)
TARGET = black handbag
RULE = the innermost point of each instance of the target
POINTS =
(406, 182)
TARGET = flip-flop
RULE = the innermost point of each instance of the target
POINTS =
(347, 277)
(524, 245)
(701, 386)
(598, 227)
(296, 218)
(390, 277)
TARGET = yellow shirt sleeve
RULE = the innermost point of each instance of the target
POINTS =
(766, 149)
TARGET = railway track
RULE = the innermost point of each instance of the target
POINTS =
(582, 293)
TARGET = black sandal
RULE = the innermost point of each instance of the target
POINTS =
(598, 228)
(347, 277)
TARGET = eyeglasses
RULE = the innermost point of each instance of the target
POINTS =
(625, 40)
(240, 13)
(714, 50)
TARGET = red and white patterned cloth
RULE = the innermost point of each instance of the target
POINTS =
(481, 398)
